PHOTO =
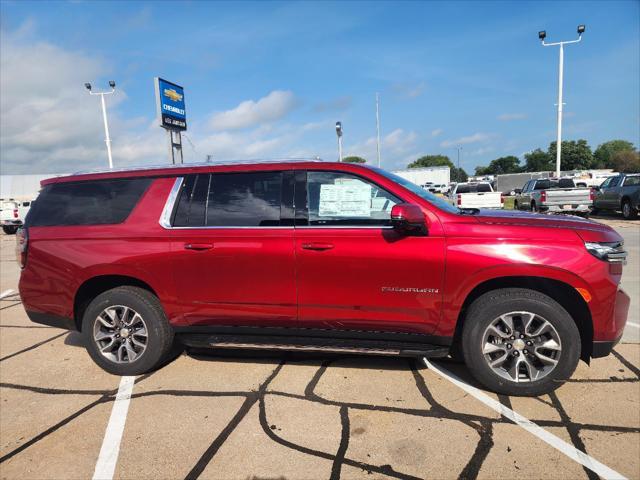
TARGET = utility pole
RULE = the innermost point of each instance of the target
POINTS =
(339, 133)
(459, 148)
(542, 35)
(107, 139)
(378, 127)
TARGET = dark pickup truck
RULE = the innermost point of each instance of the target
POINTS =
(621, 192)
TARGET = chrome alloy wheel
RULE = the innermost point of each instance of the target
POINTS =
(120, 334)
(521, 346)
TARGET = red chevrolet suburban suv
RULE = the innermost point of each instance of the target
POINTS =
(317, 256)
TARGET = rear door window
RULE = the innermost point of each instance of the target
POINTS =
(251, 199)
(245, 199)
(87, 203)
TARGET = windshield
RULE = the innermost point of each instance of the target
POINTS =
(418, 190)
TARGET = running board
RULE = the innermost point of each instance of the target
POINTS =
(313, 344)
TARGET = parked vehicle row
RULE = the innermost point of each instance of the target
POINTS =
(317, 256)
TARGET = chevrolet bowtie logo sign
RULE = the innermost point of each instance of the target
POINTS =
(172, 94)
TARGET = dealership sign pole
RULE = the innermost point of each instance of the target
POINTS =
(171, 114)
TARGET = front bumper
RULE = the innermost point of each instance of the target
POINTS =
(602, 348)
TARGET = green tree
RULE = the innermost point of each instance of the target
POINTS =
(354, 159)
(626, 161)
(576, 155)
(538, 161)
(459, 175)
(432, 161)
(501, 166)
(603, 155)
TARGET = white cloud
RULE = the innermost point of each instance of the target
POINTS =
(394, 146)
(475, 138)
(507, 117)
(47, 117)
(251, 113)
(436, 132)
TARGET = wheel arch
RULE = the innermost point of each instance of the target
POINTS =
(96, 285)
(562, 292)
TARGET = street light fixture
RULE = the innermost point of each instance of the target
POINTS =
(542, 35)
(107, 139)
(339, 133)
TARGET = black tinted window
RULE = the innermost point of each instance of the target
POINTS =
(87, 203)
(474, 188)
(566, 183)
(245, 199)
(546, 184)
(191, 206)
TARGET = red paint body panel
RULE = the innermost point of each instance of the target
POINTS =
(356, 278)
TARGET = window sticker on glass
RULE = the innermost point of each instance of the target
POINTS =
(348, 199)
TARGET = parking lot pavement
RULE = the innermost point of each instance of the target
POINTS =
(246, 415)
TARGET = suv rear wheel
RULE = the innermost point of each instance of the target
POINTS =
(520, 342)
(126, 331)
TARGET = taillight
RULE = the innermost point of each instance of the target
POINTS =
(22, 242)
(15, 213)
(459, 199)
(592, 194)
(502, 198)
(543, 196)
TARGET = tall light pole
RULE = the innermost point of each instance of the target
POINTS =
(459, 148)
(339, 133)
(542, 35)
(378, 127)
(107, 139)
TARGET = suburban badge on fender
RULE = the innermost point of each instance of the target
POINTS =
(409, 290)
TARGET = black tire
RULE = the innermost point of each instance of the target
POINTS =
(628, 212)
(534, 207)
(159, 332)
(515, 206)
(487, 308)
(10, 229)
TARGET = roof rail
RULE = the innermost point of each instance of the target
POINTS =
(200, 164)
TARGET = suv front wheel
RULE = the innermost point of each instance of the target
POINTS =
(126, 331)
(520, 342)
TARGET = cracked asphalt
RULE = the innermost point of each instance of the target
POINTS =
(248, 415)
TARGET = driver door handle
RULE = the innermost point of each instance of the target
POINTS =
(318, 246)
(198, 246)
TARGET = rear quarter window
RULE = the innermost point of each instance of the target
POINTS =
(86, 203)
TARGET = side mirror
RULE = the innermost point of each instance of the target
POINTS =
(596, 188)
(408, 219)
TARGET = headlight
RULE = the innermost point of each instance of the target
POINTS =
(612, 252)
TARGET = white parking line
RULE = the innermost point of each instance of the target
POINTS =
(570, 451)
(7, 293)
(631, 324)
(106, 464)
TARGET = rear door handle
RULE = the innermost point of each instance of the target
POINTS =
(198, 246)
(317, 246)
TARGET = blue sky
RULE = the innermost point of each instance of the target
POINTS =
(270, 79)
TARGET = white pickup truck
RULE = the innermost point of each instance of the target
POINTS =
(475, 195)
(12, 214)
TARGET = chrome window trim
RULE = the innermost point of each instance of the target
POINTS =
(165, 216)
